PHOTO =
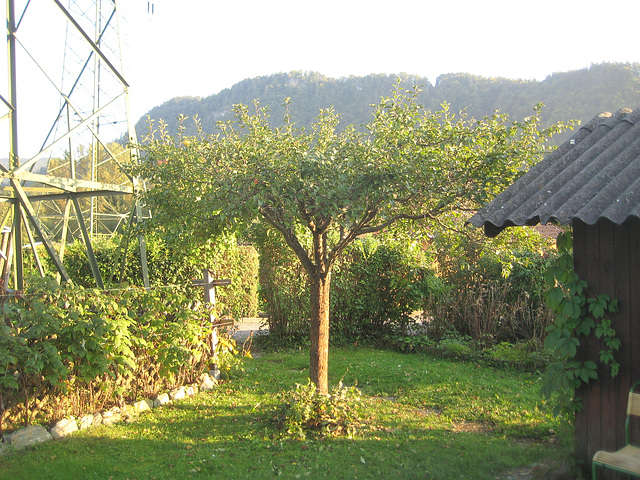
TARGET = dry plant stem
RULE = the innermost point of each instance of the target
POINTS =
(247, 348)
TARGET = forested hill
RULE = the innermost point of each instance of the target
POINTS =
(579, 95)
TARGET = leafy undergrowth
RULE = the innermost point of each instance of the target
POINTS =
(420, 417)
(528, 355)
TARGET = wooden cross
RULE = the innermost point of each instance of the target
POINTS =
(209, 285)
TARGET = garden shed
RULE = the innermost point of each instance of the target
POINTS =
(592, 182)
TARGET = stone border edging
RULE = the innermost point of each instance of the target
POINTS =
(35, 434)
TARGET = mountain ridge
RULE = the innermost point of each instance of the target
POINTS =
(573, 95)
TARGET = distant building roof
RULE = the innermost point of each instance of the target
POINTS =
(548, 230)
(594, 175)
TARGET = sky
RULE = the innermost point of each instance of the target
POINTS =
(203, 46)
(200, 47)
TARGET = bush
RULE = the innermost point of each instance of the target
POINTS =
(308, 412)
(493, 289)
(457, 346)
(528, 354)
(284, 290)
(489, 289)
(376, 288)
(172, 264)
(527, 291)
(70, 350)
(490, 312)
(229, 359)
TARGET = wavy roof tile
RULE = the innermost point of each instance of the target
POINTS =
(593, 175)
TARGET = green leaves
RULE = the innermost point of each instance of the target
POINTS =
(57, 338)
(306, 412)
(562, 341)
(586, 371)
(555, 297)
(407, 163)
(577, 317)
(329, 185)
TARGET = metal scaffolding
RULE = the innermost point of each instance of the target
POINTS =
(72, 184)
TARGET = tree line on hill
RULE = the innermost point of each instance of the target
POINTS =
(575, 95)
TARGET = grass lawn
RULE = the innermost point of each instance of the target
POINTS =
(425, 418)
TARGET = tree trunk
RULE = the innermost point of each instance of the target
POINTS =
(319, 366)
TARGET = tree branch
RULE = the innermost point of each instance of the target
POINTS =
(352, 234)
(403, 216)
(291, 239)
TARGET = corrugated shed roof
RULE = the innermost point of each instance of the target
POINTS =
(594, 175)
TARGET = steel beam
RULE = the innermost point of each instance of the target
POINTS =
(24, 202)
(87, 241)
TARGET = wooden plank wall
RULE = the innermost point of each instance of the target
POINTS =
(607, 257)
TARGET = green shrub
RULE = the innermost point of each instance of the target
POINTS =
(527, 290)
(284, 290)
(493, 288)
(308, 412)
(375, 287)
(457, 346)
(488, 289)
(410, 343)
(171, 264)
(69, 350)
(229, 360)
(529, 354)
(489, 312)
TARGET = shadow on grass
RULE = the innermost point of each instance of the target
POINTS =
(424, 418)
(211, 437)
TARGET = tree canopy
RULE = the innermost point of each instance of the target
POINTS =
(321, 188)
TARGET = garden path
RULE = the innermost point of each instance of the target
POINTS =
(246, 326)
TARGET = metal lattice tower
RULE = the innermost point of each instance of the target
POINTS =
(65, 71)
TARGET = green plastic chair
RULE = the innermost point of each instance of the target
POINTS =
(627, 459)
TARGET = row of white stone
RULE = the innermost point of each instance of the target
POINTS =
(34, 434)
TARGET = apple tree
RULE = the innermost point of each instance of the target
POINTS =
(321, 188)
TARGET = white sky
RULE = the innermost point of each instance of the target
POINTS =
(199, 47)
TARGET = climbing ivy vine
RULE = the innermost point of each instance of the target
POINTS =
(578, 315)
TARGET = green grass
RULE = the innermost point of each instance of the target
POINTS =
(424, 418)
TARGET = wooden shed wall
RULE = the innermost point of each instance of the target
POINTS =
(607, 257)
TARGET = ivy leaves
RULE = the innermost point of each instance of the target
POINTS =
(578, 316)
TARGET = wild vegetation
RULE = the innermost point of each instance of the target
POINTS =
(579, 315)
(70, 349)
(172, 263)
(66, 350)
